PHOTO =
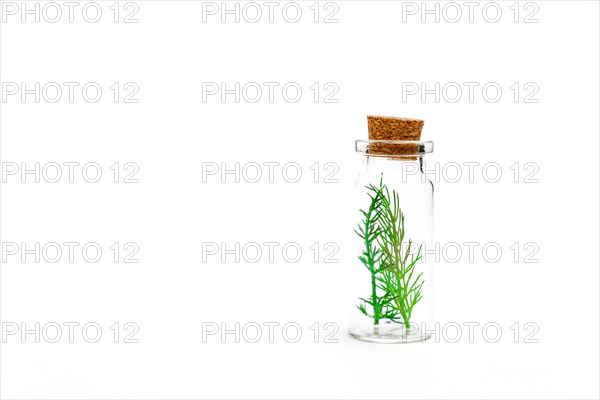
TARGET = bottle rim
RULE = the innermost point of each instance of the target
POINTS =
(407, 147)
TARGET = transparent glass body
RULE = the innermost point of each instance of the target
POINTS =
(391, 277)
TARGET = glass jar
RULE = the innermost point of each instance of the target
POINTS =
(392, 280)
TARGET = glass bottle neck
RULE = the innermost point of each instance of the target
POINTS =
(394, 163)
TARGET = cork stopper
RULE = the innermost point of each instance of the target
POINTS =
(392, 128)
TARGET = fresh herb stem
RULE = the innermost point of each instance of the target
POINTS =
(394, 292)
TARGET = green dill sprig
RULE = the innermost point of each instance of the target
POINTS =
(370, 257)
(395, 289)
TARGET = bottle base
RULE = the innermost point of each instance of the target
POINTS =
(389, 333)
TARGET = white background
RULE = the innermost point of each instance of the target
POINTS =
(370, 54)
